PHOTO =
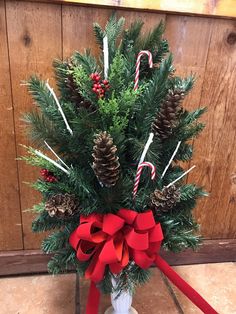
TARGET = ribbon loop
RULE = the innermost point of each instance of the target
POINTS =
(115, 240)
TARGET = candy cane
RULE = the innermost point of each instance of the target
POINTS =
(138, 174)
(141, 53)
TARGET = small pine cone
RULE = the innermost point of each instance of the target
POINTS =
(167, 116)
(166, 199)
(61, 205)
(106, 165)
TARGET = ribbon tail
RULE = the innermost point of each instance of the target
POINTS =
(184, 286)
(93, 299)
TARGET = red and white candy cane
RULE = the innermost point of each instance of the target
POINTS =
(138, 174)
(141, 53)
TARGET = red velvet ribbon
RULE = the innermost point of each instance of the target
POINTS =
(114, 240)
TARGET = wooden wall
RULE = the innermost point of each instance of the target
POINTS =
(33, 34)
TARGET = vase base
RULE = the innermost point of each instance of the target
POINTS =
(110, 310)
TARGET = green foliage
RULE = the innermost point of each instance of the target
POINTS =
(127, 115)
(86, 61)
(84, 83)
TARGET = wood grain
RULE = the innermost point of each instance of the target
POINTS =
(225, 8)
(190, 53)
(10, 217)
(34, 32)
(34, 261)
(215, 152)
(189, 39)
(78, 28)
(78, 21)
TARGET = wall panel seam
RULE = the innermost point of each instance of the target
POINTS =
(14, 128)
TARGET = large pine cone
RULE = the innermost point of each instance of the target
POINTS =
(61, 205)
(167, 116)
(106, 165)
(166, 199)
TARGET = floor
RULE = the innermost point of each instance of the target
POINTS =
(44, 294)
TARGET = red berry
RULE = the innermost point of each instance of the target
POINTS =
(94, 89)
(95, 85)
(92, 76)
(99, 85)
(44, 172)
(98, 77)
(105, 82)
(108, 86)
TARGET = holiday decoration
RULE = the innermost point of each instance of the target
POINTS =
(61, 205)
(117, 133)
(148, 53)
(99, 86)
(106, 165)
(166, 199)
(138, 175)
(48, 176)
(167, 115)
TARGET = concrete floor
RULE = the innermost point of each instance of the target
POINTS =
(45, 294)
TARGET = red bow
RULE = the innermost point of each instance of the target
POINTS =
(114, 240)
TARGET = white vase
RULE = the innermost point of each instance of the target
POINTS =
(121, 304)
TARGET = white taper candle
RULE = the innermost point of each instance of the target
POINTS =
(38, 153)
(146, 147)
(106, 56)
(59, 107)
(54, 153)
(180, 177)
(172, 157)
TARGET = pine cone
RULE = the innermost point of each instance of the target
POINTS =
(167, 116)
(106, 165)
(166, 199)
(75, 95)
(61, 205)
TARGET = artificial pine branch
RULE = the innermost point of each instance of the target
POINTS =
(40, 129)
(86, 60)
(130, 36)
(99, 34)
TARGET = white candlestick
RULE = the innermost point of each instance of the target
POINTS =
(59, 107)
(106, 56)
(182, 175)
(38, 153)
(146, 147)
(54, 153)
(172, 157)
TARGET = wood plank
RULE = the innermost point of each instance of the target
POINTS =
(189, 39)
(79, 20)
(34, 32)
(190, 53)
(34, 261)
(215, 152)
(10, 216)
(211, 251)
(224, 8)
(78, 28)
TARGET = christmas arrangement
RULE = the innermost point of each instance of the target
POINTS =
(110, 149)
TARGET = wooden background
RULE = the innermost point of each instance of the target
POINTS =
(33, 34)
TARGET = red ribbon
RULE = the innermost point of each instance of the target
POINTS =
(114, 240)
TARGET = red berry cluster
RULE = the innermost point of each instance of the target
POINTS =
(99, 86)
(48, 176)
